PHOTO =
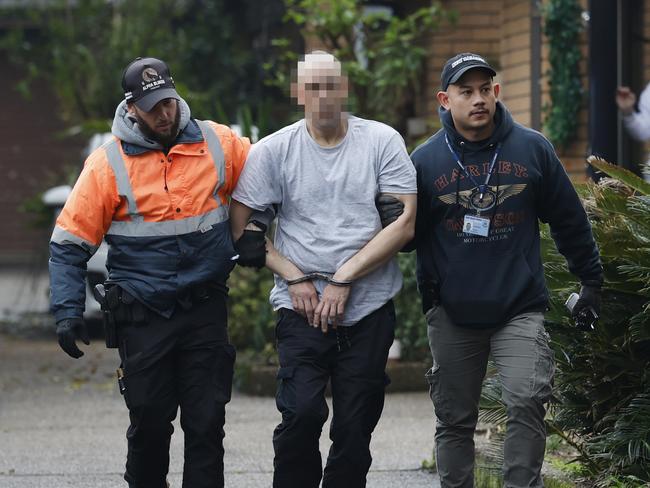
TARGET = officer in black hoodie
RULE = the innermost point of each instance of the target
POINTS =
(484, 184)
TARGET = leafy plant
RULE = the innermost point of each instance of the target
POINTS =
(251, 319)
(601, 402)
(382, 53)
(562, 27)
(214, 50)
(411, 328)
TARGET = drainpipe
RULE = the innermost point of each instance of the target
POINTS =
(603, 113)
(535, 65)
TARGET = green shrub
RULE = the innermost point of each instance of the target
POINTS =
(251, 320)
(411, 327)
(603, 377)
(602, 384)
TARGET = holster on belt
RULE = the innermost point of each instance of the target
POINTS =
(110, 329)
(119, 308)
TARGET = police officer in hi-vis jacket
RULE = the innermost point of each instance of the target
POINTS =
(158, 193)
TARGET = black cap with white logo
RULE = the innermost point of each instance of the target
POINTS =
(147, 81)
(461, 63)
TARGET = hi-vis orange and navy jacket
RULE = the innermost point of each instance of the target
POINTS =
(163, 216)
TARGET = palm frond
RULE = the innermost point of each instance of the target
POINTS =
(620, 174)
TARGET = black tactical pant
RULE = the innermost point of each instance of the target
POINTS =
(184, 361)
(354, 359)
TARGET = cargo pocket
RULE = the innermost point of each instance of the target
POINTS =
(133, 383)
(285, 396)
(433, 379)
(224, 370)
(544, 367)
(440, 405)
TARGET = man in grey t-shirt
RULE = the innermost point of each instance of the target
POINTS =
(335, 271)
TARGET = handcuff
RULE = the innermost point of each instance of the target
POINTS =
(320, 276)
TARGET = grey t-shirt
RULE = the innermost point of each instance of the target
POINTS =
(326, 203)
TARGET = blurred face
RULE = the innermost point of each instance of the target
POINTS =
(161, 123)
(472, 103)
(322, 90)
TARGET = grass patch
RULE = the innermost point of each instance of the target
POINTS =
(488, 475)
(571, 468)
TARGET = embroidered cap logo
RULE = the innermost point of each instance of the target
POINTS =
(149, 74)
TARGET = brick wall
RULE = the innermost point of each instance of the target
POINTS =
(477, 30)
(500, 31)
(33, 157)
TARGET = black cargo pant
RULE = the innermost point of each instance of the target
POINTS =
(354, 359)
(184, 361)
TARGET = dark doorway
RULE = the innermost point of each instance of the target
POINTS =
(630, 73)
(615, 47)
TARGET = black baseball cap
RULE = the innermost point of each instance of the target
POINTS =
(147, 81)
(461, 63)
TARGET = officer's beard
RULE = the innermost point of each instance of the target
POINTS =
(165, 140)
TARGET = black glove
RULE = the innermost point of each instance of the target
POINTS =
(586, 311)
(68, 331)
(389, 209)
(251, 248)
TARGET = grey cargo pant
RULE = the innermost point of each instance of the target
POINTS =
(525, 366)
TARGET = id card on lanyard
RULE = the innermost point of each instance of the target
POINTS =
(476, 224)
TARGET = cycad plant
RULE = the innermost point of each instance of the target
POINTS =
(602, 384)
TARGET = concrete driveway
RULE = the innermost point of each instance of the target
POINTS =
(62, 424)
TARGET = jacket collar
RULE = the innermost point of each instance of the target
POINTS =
(503, 125)
(191, 134)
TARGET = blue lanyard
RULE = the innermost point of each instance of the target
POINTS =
(481, 188)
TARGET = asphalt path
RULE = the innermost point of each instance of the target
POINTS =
(63, 424)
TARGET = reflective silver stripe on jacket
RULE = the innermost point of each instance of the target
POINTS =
(170, 227)
(62, 236)
(137, 227)
(214, 146)
(122, 178)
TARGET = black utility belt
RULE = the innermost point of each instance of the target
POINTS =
(199, 293)
(119, 307)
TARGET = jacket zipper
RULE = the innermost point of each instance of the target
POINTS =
(166, 188)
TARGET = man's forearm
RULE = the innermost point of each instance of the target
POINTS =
(280, 265)
(239, 215)
(381, 248)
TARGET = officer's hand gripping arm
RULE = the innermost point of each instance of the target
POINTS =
(389, 208)
(249, 230)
